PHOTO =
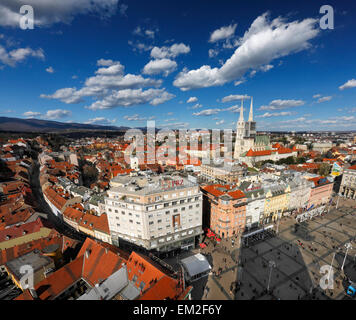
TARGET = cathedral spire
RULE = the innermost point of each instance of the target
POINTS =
(250, 118)
(242, 111)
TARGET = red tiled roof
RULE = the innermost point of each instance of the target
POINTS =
(237, 194)
(19, 231)
(251, 153)
(102, 261)
(53, 238)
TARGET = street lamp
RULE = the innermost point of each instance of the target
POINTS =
(272, 265)
(331, 266)
(337, 203)
(277, 225)
(348, 246)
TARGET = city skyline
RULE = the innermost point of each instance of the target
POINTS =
(180, 64)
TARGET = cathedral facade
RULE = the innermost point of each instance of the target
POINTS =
(246, 137)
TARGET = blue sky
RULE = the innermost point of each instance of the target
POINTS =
(123, 62)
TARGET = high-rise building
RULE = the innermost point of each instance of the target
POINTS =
(161, 213)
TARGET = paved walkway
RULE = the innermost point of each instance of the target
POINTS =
(298, 261)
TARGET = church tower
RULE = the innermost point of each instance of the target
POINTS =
(251, 125)
(240, 133)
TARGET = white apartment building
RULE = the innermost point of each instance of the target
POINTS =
(255, 206)
(160, 213)
(300, 189)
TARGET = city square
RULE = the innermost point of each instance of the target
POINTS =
(296, 274)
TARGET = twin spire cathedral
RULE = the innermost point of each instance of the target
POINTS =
(245, 133)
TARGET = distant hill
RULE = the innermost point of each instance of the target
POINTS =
(36, 125)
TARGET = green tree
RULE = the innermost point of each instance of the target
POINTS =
(324, 169)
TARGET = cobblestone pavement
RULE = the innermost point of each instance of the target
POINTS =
(296, 274)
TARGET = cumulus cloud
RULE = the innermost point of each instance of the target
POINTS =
(50, 114)
(130, 97)
(50, 70)
(275, 114)
(263, 42)
(213, 53)
(218, 123)
(174, 125)
(266, 67)
(165, 66)
(50, 12)
(223, 33)
(56, 114)
(31, 114)
(233, 109)
(282, 104)
(349, 84)
(197, 106)
(13, 57)
(192, 100)
(101, 121)
(234, 97)
(141, 31)
(136, 117)
(112, 87)
(207, 112)
(323, 99)
(170, 52)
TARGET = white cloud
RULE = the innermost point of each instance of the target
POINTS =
(316, 96)
(174, 125)
(141, 31)
(139, 46)
(275, 114)
(130, 97)
(282, 104)
(207, 112)
(47, 13)
(267, 67)
(56, 114)
(135, 117)
(113, 88)
(170, 52)
(323, 99)
(11, 58)
(165, 66)
(263, 42)
(197, 106)
(50, 114)
(50, 70)
(218, 123)
(213, 53)
(233, 109)
(192, 100)
(233, 97)
(223, 33)
(31, 114)
(101, 121)
(237, 83)
(349, 84)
